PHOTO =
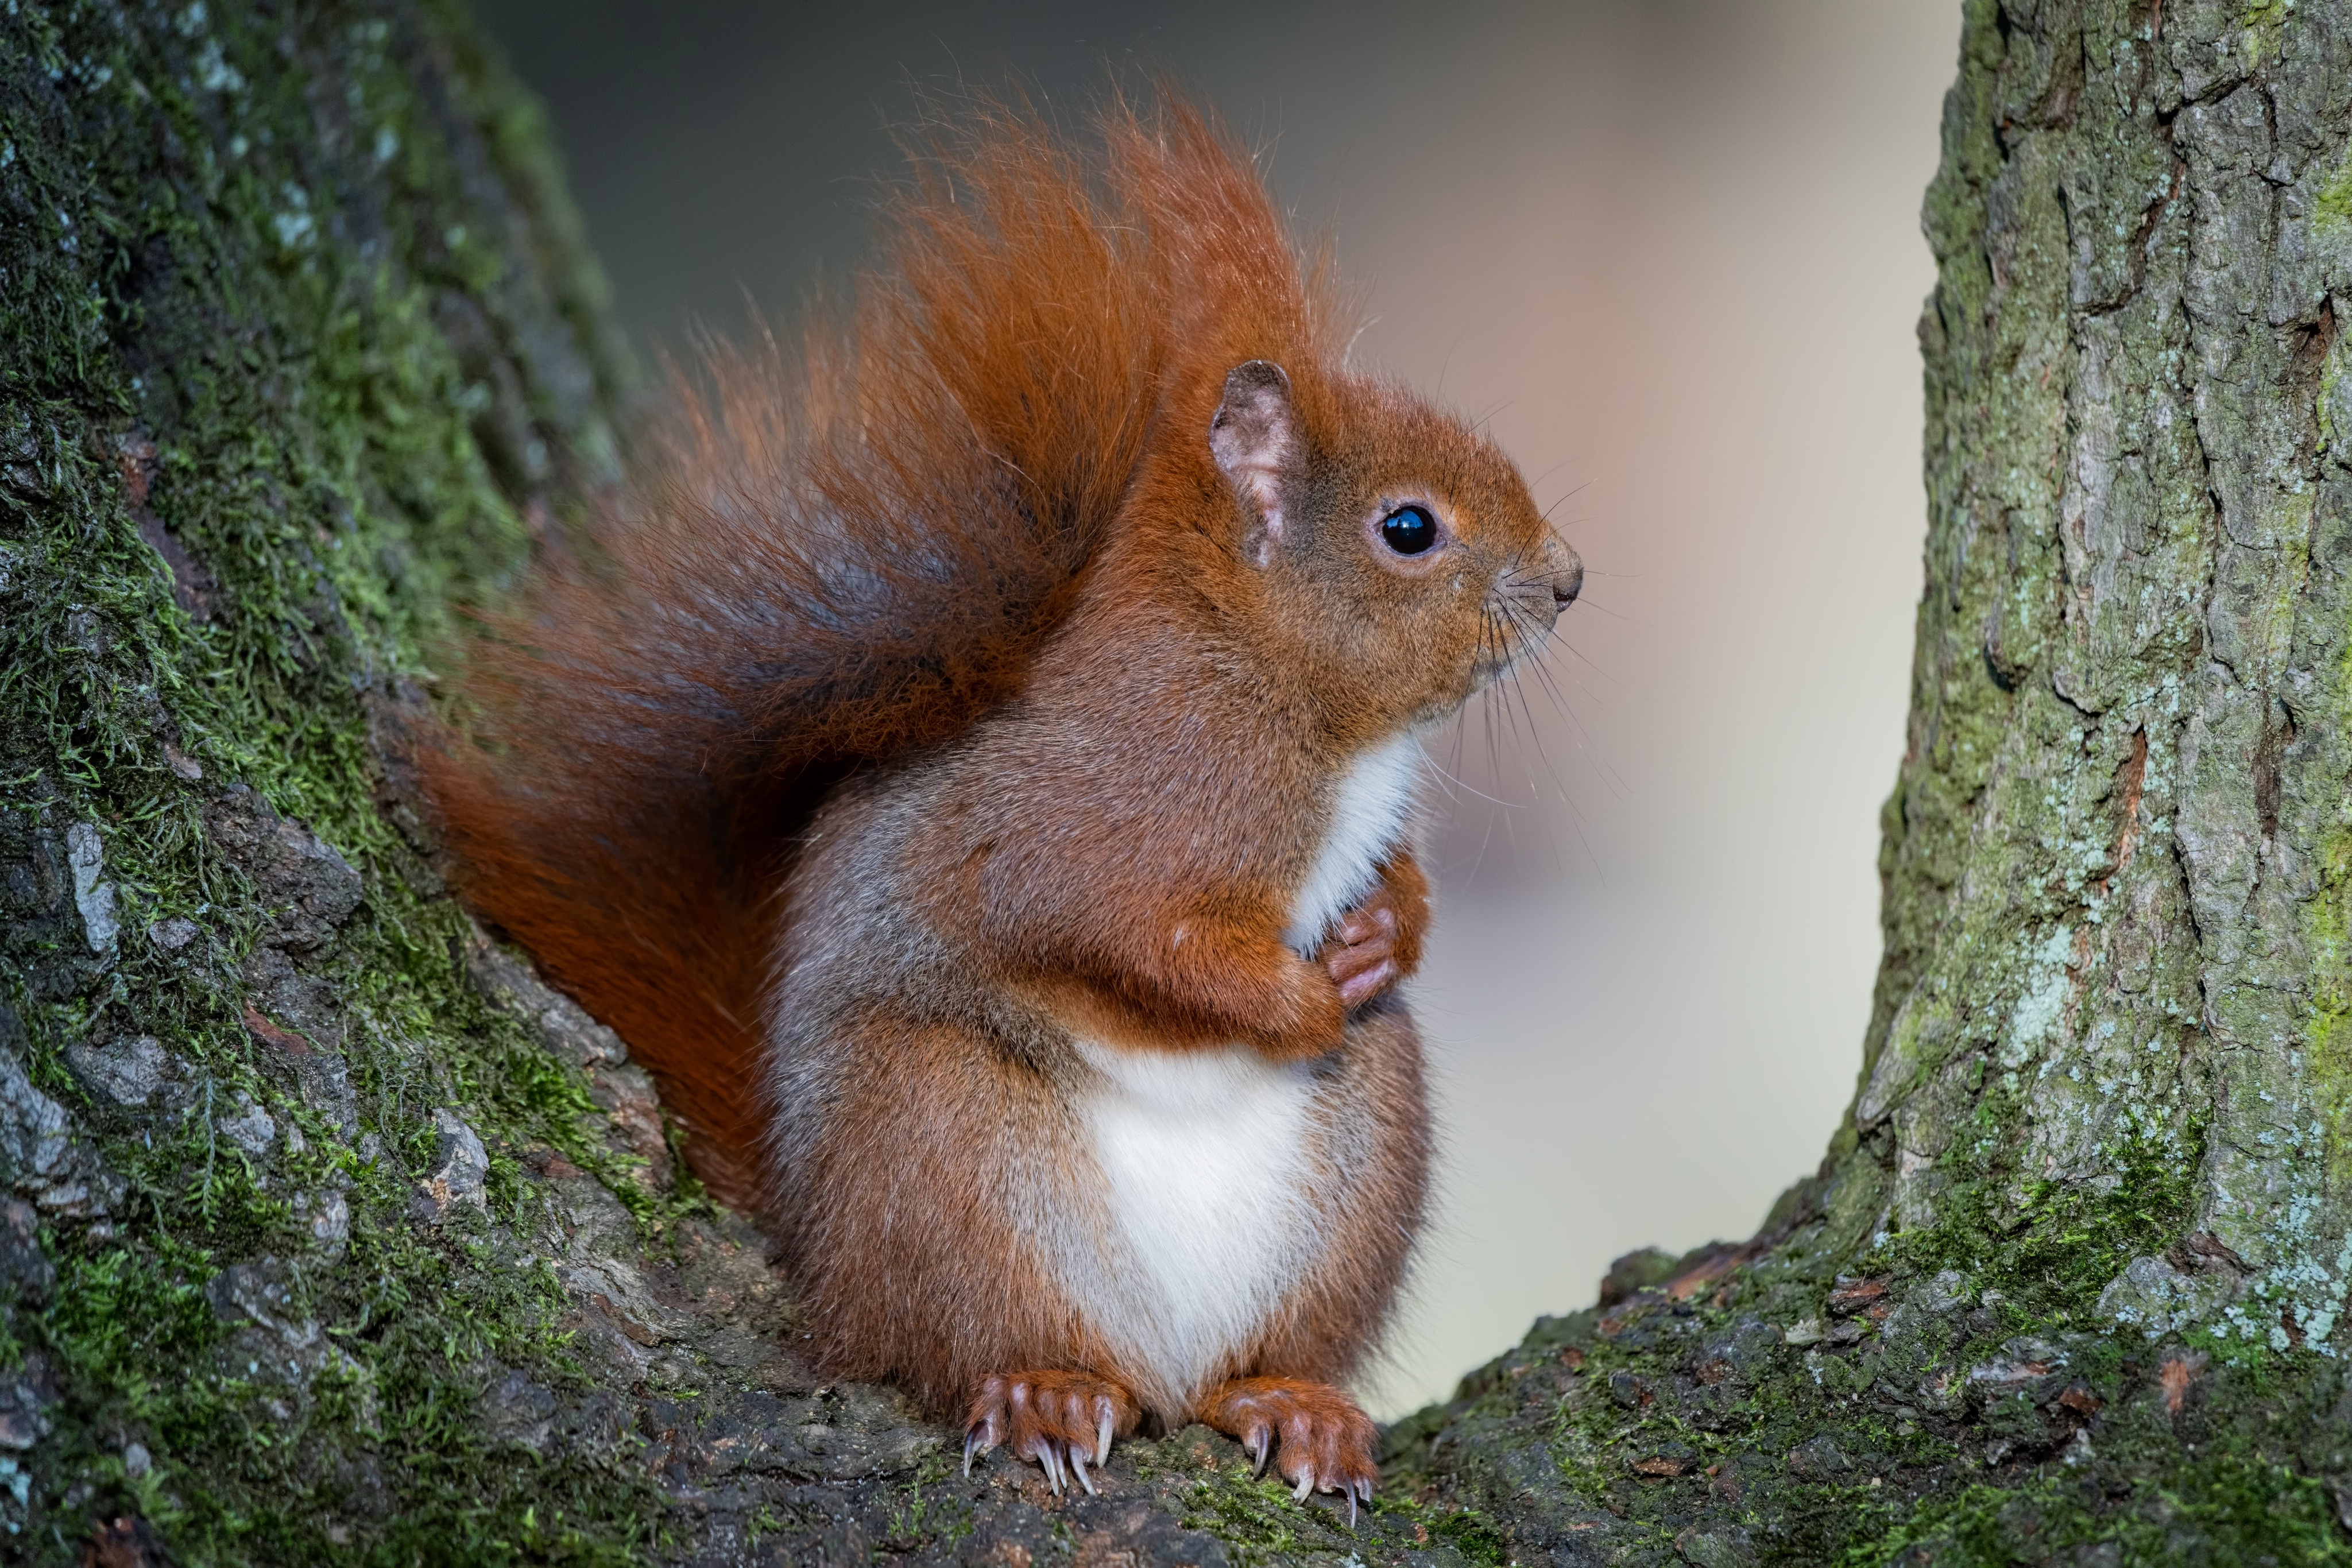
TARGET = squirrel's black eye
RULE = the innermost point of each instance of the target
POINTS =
(1409, 530)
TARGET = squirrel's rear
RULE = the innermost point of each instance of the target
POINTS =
(833, 556)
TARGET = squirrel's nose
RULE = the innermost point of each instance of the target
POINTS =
(1567, 574)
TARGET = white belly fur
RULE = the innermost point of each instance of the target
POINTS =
(1207, 1156)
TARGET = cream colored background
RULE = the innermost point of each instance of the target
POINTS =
(1683, 267)
(1671, 251)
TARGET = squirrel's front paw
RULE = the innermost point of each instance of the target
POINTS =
(1322, 1436)
(1057, 1419)
(1362, 957)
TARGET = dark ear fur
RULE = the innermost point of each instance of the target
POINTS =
(1254, 439)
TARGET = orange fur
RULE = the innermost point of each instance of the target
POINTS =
(835, 558)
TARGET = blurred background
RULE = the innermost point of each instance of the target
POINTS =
(1669, 250)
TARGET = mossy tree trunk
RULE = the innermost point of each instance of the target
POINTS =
(295, 340)
(2071, 1285)
(327, 1232)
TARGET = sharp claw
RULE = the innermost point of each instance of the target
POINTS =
(1102, 1440)
(1078, 1468)
(1305, 1485)
(1052, 1459)
(1263, 1452)
(971, 1447)
(1365, 1487)
(1351, 1508)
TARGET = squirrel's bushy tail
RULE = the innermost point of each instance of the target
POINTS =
(833, 556)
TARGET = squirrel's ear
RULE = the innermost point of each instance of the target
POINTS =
(1254, 439)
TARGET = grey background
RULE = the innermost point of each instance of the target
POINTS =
(1670, 250)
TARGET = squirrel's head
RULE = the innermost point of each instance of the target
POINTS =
(1401, 559)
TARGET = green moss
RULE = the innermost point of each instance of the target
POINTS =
(2265, 23)
(243, 238)
(2328, 1031)
(2223, 1509)
(1665, 1458)
(2334, 207)
(1465, 1530)
(1255, 1518)
(2052, 1247)
(920, 1521)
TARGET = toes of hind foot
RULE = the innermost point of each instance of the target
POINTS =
(1062, 1422)
(1318, 1439)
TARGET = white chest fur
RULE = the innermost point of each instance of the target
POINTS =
(1205, 1158)
(1369, 815)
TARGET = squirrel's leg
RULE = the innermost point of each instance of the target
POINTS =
(1376, 943)
(1238, 979)
(1318, 1436)
(1210, 976)
(1057, 1418)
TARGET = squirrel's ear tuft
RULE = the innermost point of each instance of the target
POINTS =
(1254, 439)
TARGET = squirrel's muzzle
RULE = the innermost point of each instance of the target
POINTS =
(1565, 570)
(1550, 583)
(1529, 598)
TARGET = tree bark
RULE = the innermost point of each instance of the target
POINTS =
(330, 1233)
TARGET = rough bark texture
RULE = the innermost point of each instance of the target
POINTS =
(330, 1232)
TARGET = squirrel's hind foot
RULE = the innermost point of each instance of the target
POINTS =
(1059, 1419)
(1324, 1439)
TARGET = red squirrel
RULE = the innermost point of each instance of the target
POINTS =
(975, 771)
